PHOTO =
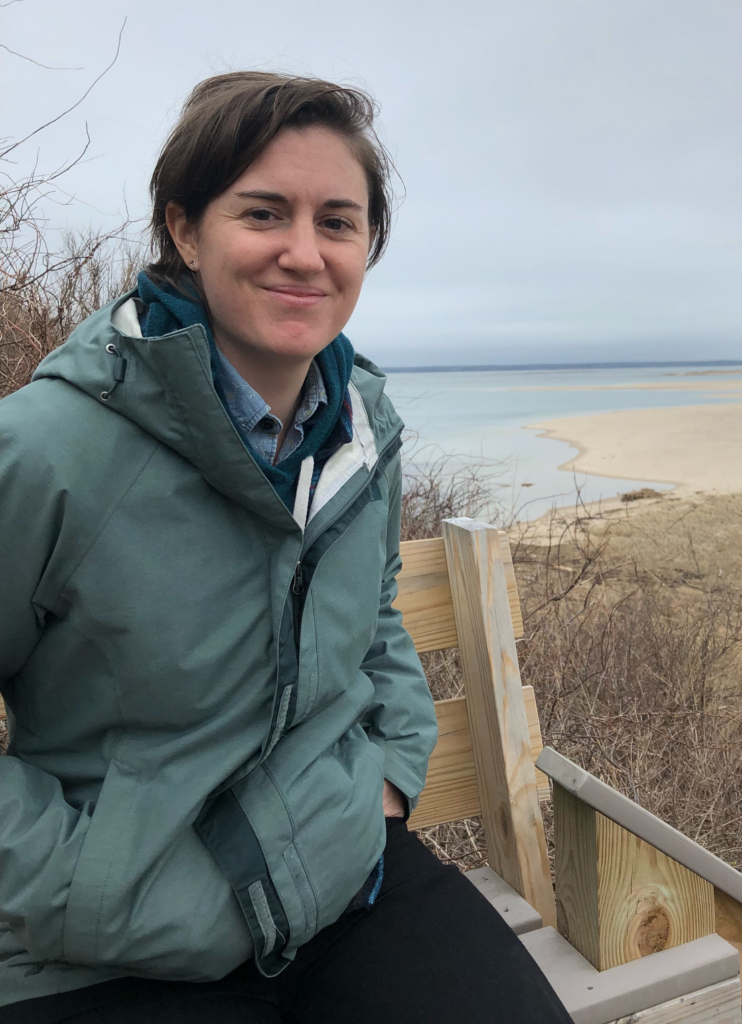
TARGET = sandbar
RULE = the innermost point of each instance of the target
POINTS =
(724, 383)
(696, 447)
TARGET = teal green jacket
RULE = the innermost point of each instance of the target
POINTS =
(205, 691)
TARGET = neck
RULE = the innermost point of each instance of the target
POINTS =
(277, 380)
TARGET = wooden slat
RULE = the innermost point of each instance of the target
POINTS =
(716, 1004)
(451, 786)
(511, 815)
(620, 899)
(424, 596)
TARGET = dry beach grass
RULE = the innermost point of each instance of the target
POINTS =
(633, 640)
(37, 313)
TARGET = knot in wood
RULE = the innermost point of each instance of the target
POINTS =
(650, 929)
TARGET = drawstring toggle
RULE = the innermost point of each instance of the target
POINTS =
(119, 371)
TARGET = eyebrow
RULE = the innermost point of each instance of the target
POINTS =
(276, 197)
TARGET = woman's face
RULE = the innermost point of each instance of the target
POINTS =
(281, 254)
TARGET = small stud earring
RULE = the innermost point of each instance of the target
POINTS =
(193, 264)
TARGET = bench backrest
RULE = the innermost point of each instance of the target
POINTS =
(427, 608)
(459, 591)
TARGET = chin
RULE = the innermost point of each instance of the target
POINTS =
(299, 345)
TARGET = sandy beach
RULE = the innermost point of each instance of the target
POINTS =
(695, 448)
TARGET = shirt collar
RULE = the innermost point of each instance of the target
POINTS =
(244, 401)
(250, 408)
(315, 394)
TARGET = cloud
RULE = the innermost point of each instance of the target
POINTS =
(571, 168)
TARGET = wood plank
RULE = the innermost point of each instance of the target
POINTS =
(576, 870)
(716, 1004)
(516, 613)
(728, 917)
(424, 594)
(537, 744)
(451, 786)
(646, 900)
(640, 822)
(511, 814)
(618, 898)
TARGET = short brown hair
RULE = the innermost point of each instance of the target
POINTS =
(225, 125)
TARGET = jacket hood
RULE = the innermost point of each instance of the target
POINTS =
(165, 387)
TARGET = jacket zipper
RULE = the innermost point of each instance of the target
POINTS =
(297, 590)
(298, 585)
(298, 581)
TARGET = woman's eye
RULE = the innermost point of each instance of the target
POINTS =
(335, 223)
(261, 215)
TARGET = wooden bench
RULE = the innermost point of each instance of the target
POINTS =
(649, 923)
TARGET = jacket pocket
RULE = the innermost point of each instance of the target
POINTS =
(145, 894)
(250, 836)
(334, 804)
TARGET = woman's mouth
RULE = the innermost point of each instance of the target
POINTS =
(296, 295)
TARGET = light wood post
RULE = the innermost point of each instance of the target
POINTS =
(506, 778)
(728, 918)
(618, 898)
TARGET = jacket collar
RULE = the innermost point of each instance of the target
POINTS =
(168, 391)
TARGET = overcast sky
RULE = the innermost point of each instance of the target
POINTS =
(572, 167)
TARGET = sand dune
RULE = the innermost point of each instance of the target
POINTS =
(697, 448)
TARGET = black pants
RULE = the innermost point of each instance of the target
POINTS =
(430, 951)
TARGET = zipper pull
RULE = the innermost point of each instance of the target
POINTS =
(297, 584)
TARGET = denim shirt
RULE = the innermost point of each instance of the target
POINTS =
(257, 424)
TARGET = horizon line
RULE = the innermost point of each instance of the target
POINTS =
(658, 364)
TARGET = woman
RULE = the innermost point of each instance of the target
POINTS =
(219, 724)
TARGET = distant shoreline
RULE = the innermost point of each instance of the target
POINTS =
(560, 366)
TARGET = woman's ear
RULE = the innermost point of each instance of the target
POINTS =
(183, 233)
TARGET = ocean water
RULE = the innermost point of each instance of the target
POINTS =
(480, 418)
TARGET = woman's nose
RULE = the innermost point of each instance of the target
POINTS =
(301, 253)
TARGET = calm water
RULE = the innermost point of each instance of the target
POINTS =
(479, 417)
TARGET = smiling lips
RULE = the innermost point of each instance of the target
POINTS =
(297, 295)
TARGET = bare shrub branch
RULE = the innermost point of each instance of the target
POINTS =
(91, 271)
(47, 124)
(38, 64)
